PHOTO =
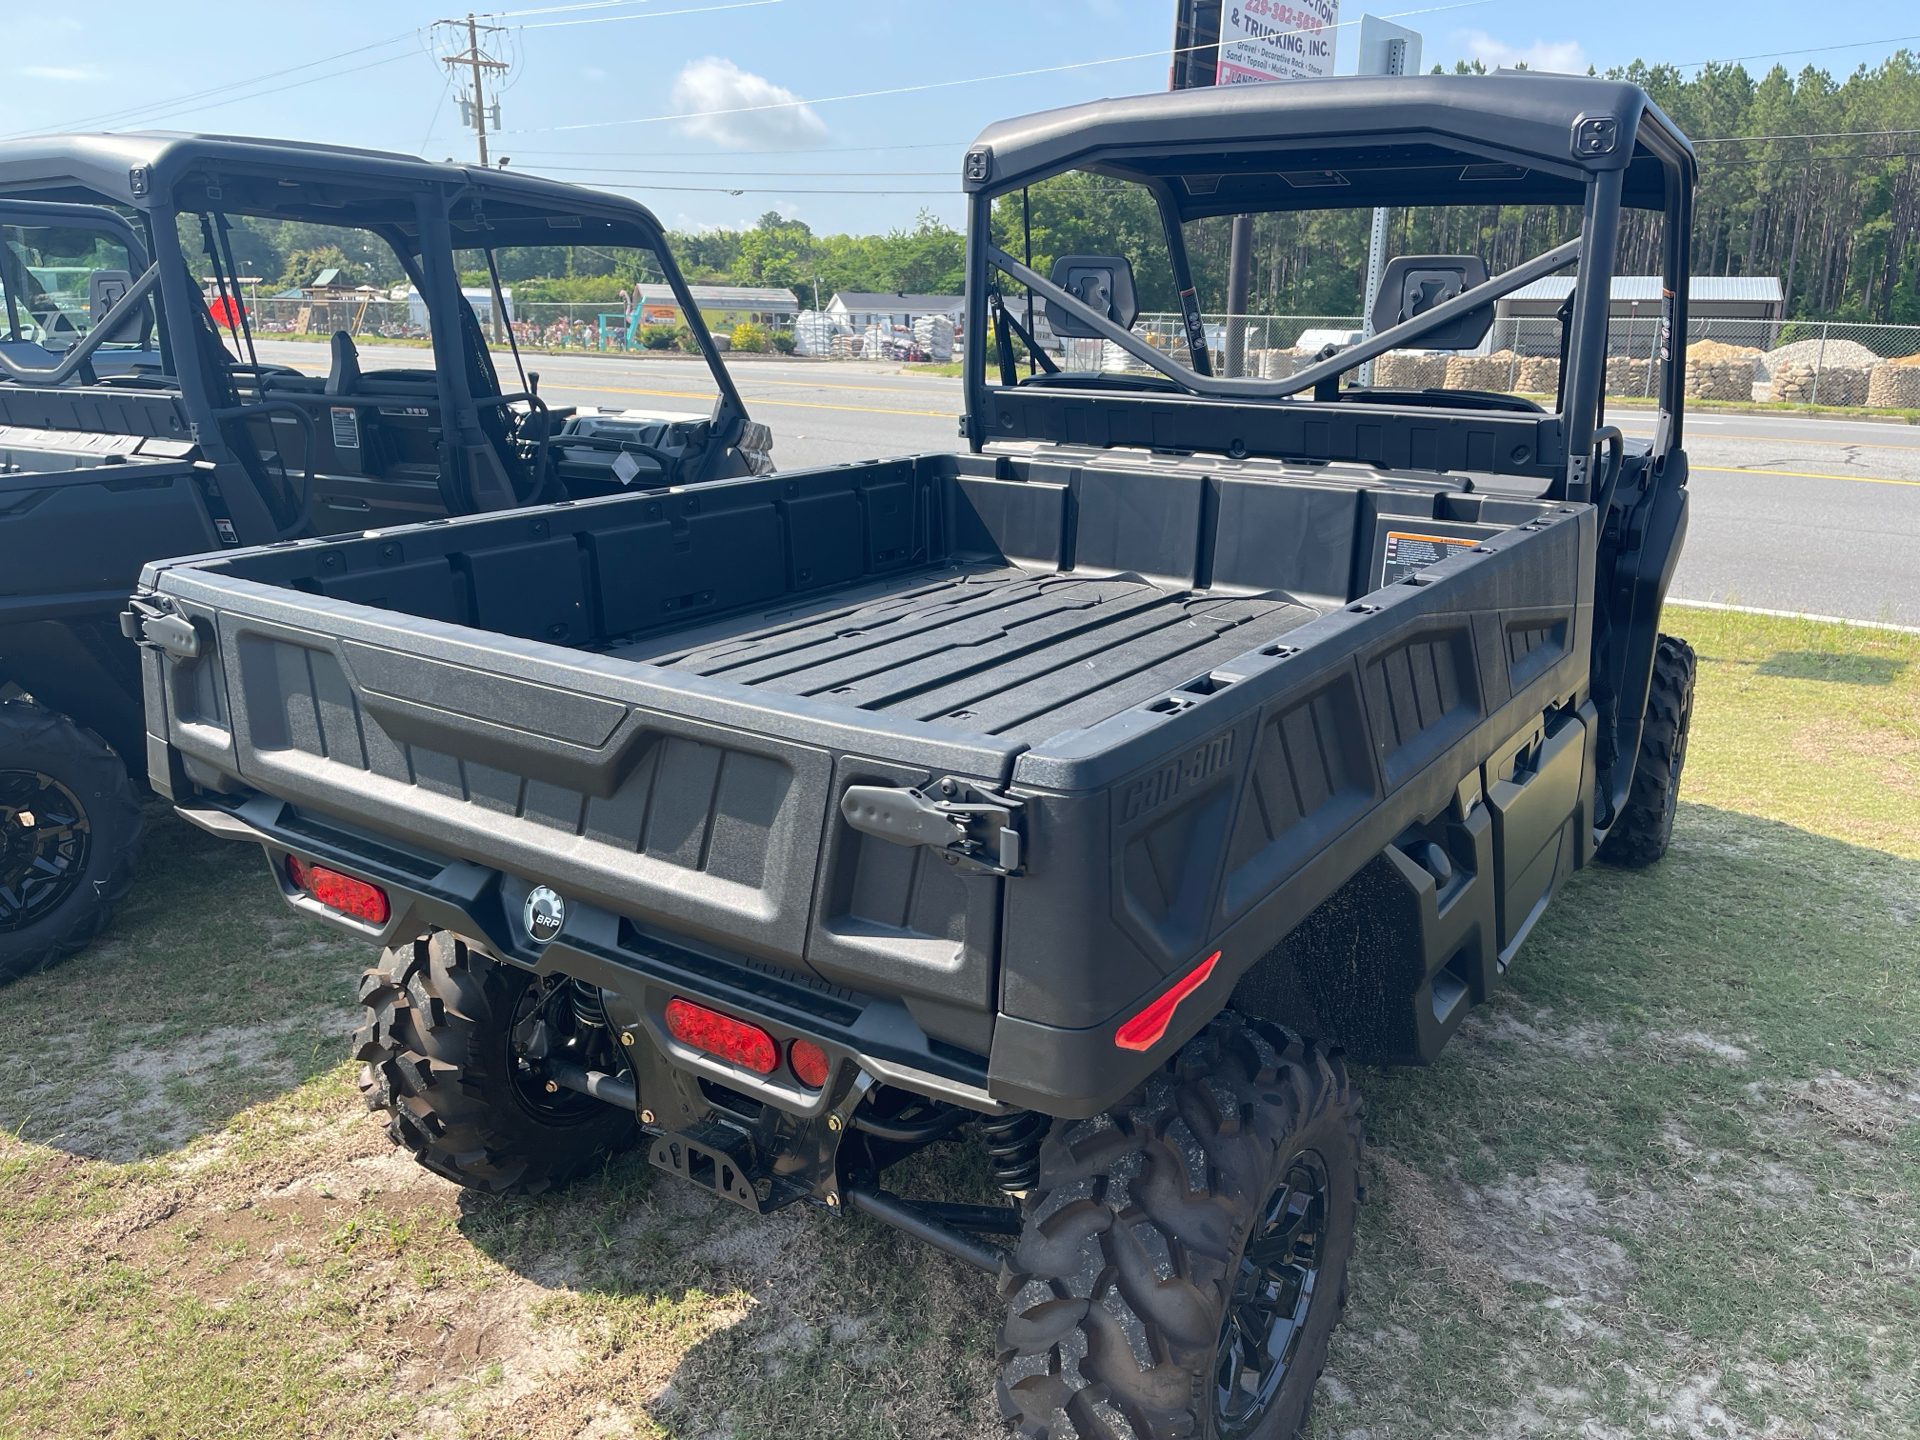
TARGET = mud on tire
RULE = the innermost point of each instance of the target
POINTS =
(437, 1061)
(61, 875)
(1644, 829)
(1144, 1233)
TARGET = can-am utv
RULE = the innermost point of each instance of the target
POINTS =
(134, 426)
(1083, 797)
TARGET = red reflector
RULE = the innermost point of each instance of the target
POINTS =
(1144, 1030)
(747, 1046)
(340, 892)
(809, 1062)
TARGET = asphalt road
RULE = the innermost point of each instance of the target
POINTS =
(1788, 513)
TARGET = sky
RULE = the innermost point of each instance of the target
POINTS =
(849, 114)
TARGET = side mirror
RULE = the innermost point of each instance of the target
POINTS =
(1102, 282)
(1414, 284)
(105, 288)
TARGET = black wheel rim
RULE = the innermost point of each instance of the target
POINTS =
(1273, 1292)
(559, 1105)
(44, 840)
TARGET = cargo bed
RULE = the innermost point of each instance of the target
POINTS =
(1191, 691)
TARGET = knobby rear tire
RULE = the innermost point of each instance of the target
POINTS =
(1121, 1283)
(1644, 828)
(437, 1060)
(36, 741)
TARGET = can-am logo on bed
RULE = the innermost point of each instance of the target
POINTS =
(1150, 792)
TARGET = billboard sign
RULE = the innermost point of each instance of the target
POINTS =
(1276, 40)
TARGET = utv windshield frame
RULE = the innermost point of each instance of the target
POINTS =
(424, 211)
(1511, 139)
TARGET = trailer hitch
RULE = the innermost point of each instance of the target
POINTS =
(974, 829)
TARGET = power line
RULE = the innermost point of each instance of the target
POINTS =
(1821, 135)
(1822, 159)
(649, 15)
(809, 150)
(778, 174)
(1783, 54)
(111, 116)
(769, 190)
(946, 84)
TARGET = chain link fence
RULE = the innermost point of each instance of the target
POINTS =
(1800, 362)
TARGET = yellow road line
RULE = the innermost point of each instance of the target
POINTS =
(1784, 440)
(1803, 475)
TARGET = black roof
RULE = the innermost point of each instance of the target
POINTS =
(302, 180)
(1353, 140)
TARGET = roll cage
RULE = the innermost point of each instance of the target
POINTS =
(1512, 138)
(150, 183)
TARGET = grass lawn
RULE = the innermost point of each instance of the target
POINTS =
(1665, 1183)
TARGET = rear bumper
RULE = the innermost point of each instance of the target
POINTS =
(428, 891)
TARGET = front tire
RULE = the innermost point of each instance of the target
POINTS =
(1644, 828)
(1184, 1258)
(438, 1060)
(69, 837)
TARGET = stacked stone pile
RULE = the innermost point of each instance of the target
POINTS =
(1799, 383)
(1627, 376)
(1400, 370)
(1497, 371)
(1720, 372)
(1896, 384)
(1539, 375)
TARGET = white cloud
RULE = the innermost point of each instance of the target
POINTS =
(741, 110)
(594, 72)
(1564, 57)
(68, 73)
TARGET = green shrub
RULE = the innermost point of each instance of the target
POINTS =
(782, 342)
(659, 337)
(749, 337)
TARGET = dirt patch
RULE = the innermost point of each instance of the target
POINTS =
(1853, 1108)
(143, 1098)
(1416, 1207)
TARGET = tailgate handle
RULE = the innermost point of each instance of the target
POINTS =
(975, 830)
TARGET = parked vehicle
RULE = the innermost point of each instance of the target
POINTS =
(111, 358)
(1093, 800)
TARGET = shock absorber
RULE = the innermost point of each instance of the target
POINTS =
(589, 1008)
(1013, 1149)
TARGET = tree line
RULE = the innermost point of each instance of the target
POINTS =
(1802, 177)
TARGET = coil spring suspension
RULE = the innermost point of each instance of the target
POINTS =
(1013, 1149)
(589, 1008)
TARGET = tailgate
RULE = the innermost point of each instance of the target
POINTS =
(673, 799)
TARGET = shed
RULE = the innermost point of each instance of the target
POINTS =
(1709, 297)
(859, 308)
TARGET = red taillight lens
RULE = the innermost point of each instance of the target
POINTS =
(340, 892)
(747, 1046)
(1145, 1030)
(809, 1062)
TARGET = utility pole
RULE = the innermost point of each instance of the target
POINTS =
(1385, 49)
(474, 112)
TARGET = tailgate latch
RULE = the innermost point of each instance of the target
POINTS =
(975, 829)
(153, 622)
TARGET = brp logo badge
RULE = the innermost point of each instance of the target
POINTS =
(545, 913)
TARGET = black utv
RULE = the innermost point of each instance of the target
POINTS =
(1091, 797)
(135, 426)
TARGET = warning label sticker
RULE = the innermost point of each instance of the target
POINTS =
(1409, 554)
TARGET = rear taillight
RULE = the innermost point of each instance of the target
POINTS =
(340, 892)
(1146, 1029)
(747, 1046)
(809, 1062)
